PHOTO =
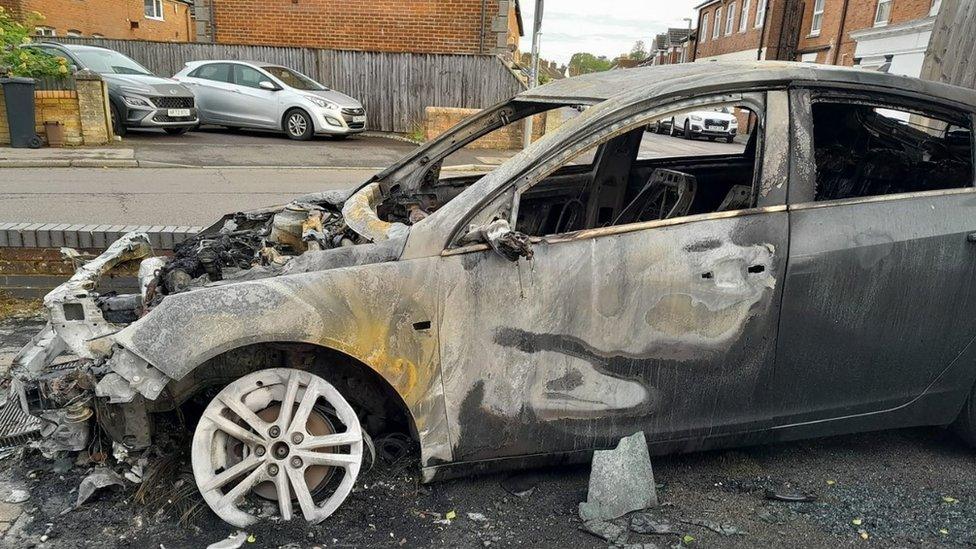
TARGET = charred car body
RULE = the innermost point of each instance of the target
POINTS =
(814, 283)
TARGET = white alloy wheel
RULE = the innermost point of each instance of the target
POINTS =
(273, 439)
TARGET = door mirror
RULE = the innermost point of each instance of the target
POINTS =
(499, 235)
(267, 85)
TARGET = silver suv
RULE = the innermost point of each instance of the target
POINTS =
(239, 94)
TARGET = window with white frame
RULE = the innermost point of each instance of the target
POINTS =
(883, 13)
(818, 11)
(744, 16)
(760, 13)
(717, 30)
(45, 31)
(704, 28)
(74, 32)
(730, 20)
(154, 9)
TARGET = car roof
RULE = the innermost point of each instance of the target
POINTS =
(73, 47)
(239, 61)
(661, 80)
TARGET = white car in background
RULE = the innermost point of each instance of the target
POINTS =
(720, 124)
(241, 94)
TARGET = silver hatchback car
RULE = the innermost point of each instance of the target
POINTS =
(246, 94)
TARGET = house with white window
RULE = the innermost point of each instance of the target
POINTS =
(162, 20)
(738, 30)
(897, 46)
(889, 34)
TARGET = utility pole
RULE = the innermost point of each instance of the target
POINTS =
(534, 69)
(684, 51)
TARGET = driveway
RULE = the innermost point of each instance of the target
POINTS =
(220, 147)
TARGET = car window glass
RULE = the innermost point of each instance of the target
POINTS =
(246, 76)
(864, 150)
(294, 79)
(219, 72)
(109, 62)
(642, 176)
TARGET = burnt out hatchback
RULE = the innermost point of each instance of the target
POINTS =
(810, 279)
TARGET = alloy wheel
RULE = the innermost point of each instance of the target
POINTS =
(297, 124)
(275, 439)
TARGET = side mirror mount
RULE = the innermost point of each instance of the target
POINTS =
(267, 85)
(503, 240)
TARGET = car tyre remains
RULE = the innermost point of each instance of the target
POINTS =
(279, 435)
(298, 125)
(687, 132)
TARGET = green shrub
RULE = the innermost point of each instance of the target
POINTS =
(15, 59)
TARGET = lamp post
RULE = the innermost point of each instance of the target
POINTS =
(684, 49)
(534, 69)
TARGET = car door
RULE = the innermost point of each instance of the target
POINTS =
(878, 301)
(212, 85)
(665, 326)
(254, 106)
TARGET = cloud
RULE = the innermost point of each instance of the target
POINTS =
(605, 28)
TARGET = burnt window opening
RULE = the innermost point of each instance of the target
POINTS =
(685, 165)
(863, 150)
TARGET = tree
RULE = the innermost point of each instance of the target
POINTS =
(15, 59)
(639, 51)
(585, 63)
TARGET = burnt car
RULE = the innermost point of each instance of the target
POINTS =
(813, 282)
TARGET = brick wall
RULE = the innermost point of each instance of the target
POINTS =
(420, 26)
(728, 43)
(860, 15)
(81, 111)
(110, 18)
(440, 119)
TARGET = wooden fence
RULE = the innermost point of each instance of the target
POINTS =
(395, 88)
(949, 57)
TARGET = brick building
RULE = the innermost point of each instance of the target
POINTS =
(867, 33)
(422, 26)
(164, 20)
(740, 30)
(668, 48)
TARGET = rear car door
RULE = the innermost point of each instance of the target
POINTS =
(878, 302)
(212, 86)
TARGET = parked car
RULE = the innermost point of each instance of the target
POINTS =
(700, 123)
(815, 282)
(137, 97)
(239, 94)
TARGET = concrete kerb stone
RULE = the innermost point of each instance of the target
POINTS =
(57, 235)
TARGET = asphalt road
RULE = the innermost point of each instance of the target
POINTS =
(156, 196)
(197, 196)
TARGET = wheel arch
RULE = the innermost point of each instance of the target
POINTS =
(347, 315)
(362, 385)
(283, 121)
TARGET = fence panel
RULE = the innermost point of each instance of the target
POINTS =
(395, 88)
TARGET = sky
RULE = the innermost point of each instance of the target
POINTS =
(601, 27)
